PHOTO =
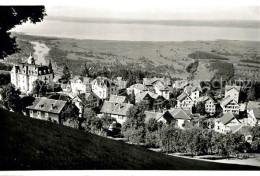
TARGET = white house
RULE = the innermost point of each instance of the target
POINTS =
(184, 101)
(46, 109)
(103, 87)
(226, 123)
(162, 89)
(228, 104)
(232, 92)
(116, 110)
(80, 85)
(24, 74)
(180, 116)
(210, 104)
(137, 89)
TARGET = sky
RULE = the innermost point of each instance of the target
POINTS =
(153, 9)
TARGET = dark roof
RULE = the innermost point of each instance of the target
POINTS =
(179, 114)
(149, 115)
(182, 96)
(253, 104)
(141, 96)
(115, 108)
(85, 80)
(256, 112)
(226, 100)
(228, 88)
(226, 118)
(47, 105)
(117, 99)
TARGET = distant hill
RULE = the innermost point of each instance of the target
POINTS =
(31, 144)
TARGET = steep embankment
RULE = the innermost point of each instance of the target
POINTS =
(27, 143)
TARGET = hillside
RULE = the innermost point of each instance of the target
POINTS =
(161, 57)
(27, 144)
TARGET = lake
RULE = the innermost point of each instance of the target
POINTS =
(139, 31)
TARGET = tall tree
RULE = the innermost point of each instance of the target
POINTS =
(70, 115)
(10, 16)
(39, 88)
(11, 99)
(66, 73)
(85, 70)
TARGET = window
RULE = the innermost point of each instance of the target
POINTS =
(31, 112)
(46, 114)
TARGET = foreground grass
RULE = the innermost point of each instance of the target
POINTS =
(27, 143)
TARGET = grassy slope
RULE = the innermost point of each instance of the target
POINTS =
(27, 143)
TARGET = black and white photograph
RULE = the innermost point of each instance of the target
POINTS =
(130, 85)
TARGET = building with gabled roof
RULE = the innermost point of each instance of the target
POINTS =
(151, 99)
(226, 123)
(253, 116)
(116, 110)
(80, 85)
(23, 75)
(210, 104)
(233, 92)
(184, 101)
(180, 116)
(103, 87)
(46, 109)
(118, 99)
(136, 89)
(148, 82)
(228, 104)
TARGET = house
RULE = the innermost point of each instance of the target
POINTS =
(233, 92)
(118, 99)
(184, 101)
(253, 116)
(91, 100)
(245, 130)
(210, 104)
(80, 85)
(149, 82)
(180, 84)
(193, 93)
(162, 89)
(228, 104)
(23, 75)
(153, 101)
(120, 83)
(226, 123)
(154, 115)
(103, 87)
(137, 89)
(180, 116)
(46, 109)
(116, 110)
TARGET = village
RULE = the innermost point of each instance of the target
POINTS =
(103, 106)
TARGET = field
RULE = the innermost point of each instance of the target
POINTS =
(31, 144)
(168, 58)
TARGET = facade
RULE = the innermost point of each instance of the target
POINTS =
(24, 74)
(162, 90)
(46, 109)
(116, 110)
(210, 104)
(103, 87)
(118, 99)
(80, 85)
(232, 92)
(137, 89)
(184, 101)
(154, 101)
(226, 123)
(180, 116)
(253, 116)
(120, 83)
(91, 99)
(229, 105)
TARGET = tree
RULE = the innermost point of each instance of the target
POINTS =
(200, 108)
(10, 16)
(27, 101)
(70, 115)
(85, 71)
(66, 73)
(132, 98)
(134, 127)
(39, 88)
(11, 99)
(252, 93)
